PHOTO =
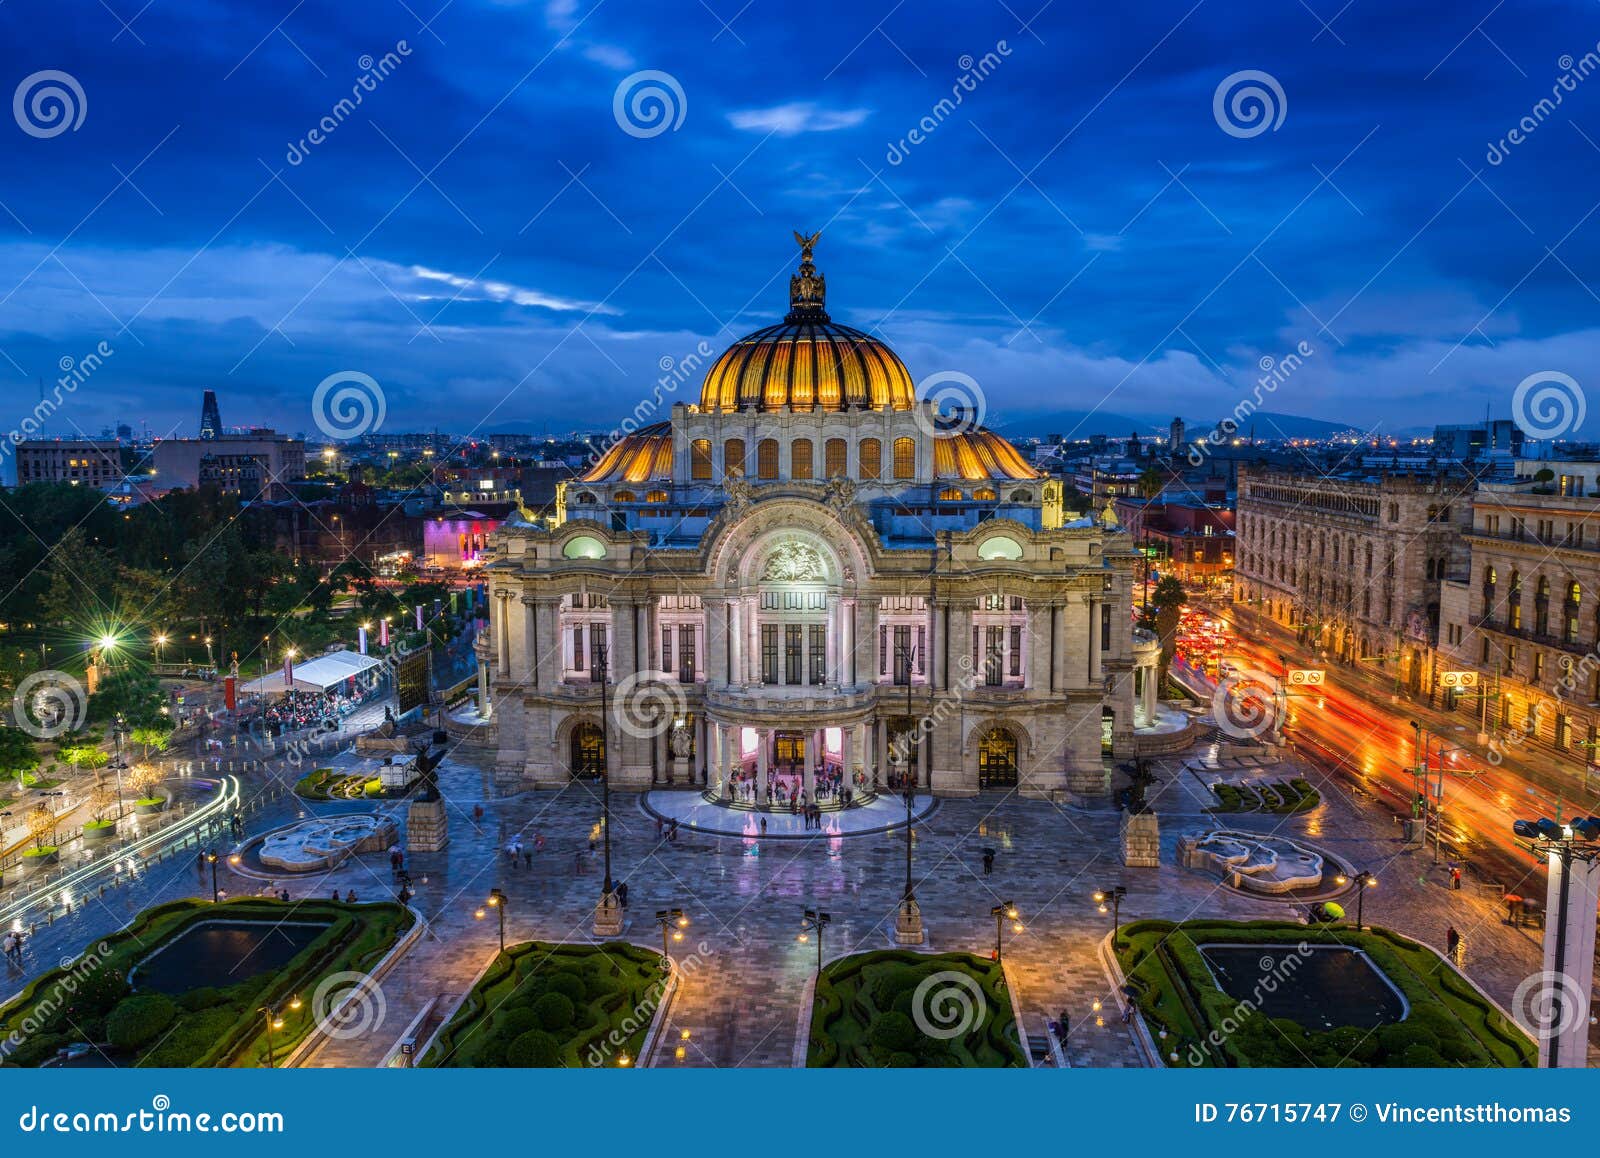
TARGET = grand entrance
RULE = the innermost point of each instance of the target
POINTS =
(997, 759)
(588, 754)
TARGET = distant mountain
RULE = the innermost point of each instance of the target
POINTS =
(1081, 424)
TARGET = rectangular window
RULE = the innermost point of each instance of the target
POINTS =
(922, 651)
(994, 656)
(791, 653)
(767, 458)
(686, 653)
(1016, 651)
(666, 648)
(577, 647)
(905, 458)
(733, 458)
(871, 465)
(902, 655)
(833, 458)
(818, 638)
(769, 653)
(883, 651)
(700, 459)
(800, 458)
(1105, 627)
(597, 649)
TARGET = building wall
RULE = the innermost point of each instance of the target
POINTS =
(1354, 564)
(85, 462)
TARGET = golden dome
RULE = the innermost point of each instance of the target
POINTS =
(807, 360)
(642, 456)
(978, 454)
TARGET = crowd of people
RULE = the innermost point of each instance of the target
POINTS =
(297, 709)
(786, 788)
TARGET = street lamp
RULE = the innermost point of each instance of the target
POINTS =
(673, 921)
(497, 902)
(608, 918)
(1110, 900)
(1001, 914)
(814, 922)
(1561, 843)
(1364, 881)
(211, 859)
(274, 1020)
(161, 643)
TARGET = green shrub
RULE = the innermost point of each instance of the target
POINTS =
(534, 1049)
(569, 985)
(139, 1020)
(554, 1011)
(893, 1032)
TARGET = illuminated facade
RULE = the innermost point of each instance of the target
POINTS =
(811, 573)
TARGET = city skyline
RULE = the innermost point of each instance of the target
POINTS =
(1079, 227)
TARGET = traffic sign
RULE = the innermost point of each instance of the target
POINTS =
(1311, 677)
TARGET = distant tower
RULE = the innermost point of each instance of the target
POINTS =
(1133, 445)
(210, 420)
(1175, 436)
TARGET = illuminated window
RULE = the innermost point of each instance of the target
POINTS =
(833, 458)
(767, 458)
(700, 459)
(623, 497)
(733, 458)
(905, 458)
(950, 495)
(586, 497)
(656, 497)
(800, 458)
(984, 494)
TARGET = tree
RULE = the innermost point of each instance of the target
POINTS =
(144, 778)
(1167, 601)
(85, 756)
(41, 824)
(18, 756)
(149, 736)
(103, 798)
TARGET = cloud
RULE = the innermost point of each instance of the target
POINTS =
(797, 117)
(471, 289)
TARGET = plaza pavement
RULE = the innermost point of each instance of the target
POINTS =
(747, 972)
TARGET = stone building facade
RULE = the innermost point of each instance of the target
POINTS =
(811, 572)
(1354, 564)
(1525, 613)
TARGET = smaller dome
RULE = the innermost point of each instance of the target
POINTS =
(978, 454)
(643, 456)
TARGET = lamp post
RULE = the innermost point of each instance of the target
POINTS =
(670, 921)
(608, 914)
(1364, 881)
(497, 902)
(211, 859)
(814, 922)
(1001, 914)
(1110, 900)
(1563, 844)
(274, 1020)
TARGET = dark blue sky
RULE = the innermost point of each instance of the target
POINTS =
(483, 238)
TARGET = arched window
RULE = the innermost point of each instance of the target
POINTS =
(767, 458)
(871, 458)
(997, 759)
(586, 497)
(656, 497)
(1514, 602)
(1569, 612)
(700, 459)
(834, 454)
(984, 494)
(950, 495)
(1021, 496)
(905, 458)
(733, 458)
(623, 497)
(800, 458)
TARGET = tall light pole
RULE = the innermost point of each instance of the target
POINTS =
(1001, 914)
(274, 1020)
(497, 902)
(814, 922)
(608, 914)
(674, 922)
(1110, 900)
(211, 859)
(1564, 844)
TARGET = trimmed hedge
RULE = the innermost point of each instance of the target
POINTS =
(209, 1027)
(864, 1013)
(1449, 1023)
(546, 1005)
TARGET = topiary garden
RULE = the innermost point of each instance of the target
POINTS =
(541, 1005)
(908, 1010)
(91, 1000)
(1448, 1022)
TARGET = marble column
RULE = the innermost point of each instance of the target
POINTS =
(808, 771)
(485, 705)
(530, 642)
(763, 745)
(736, 640)
(702, 745)
(502, 635)
(1149, 697)
(880, 748)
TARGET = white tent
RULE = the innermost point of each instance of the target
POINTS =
(331, 670)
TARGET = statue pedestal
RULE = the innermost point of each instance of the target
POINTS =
(908, 924)
(608, 916)
(1141, 840)
(427, 826)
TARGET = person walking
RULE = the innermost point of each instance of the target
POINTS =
(988, 861)
(1452, 941)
